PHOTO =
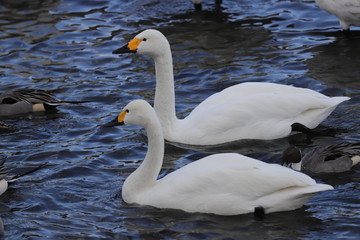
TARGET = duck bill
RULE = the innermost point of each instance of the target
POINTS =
(124, 49)
(114, 122)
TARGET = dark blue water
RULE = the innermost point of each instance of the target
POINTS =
(66, 46)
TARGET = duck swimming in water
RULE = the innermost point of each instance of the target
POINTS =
(28, 100)
(325, 159)
(5, 178)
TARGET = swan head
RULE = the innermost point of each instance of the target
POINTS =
(291, 157)
(137, 112)
(149, 42)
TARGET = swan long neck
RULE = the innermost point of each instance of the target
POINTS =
(147, 173)
(164, 103)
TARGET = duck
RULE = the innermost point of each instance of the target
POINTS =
(333, 158)
(6, 179)
(347, 11)
(248, 110)
(221, 184)
(26, 100)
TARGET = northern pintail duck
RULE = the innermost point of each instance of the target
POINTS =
(5, 178)
(27, 100)
(347, 11)
(325, 159)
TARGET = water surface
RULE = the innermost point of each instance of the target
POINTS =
(65, 46)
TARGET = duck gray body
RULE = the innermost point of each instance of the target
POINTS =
(325, 159)
(27, 100)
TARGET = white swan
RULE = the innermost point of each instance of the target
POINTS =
(347, 11)
(224, 184)
(244, 111)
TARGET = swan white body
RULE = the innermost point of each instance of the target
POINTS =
(243, 111)
(347, 11)
(223, 184)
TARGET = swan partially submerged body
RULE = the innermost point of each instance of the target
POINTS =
(223, 184)
(347, 11)
(254, 110)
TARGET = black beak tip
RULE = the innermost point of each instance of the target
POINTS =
(123, 49)
(113, 123)
(119, 51)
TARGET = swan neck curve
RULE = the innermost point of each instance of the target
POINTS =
(164, 103)
(146, 174)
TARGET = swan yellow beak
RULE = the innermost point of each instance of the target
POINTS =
(119, 120)
(131, 47)
(134, 44)
(121, 117)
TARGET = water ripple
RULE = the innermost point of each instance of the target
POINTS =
(66, 46)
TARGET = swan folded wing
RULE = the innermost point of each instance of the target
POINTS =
(260, 116)
(224, 184)
(253, 88)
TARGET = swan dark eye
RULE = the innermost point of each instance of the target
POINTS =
(127, 110)
(144, 39)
